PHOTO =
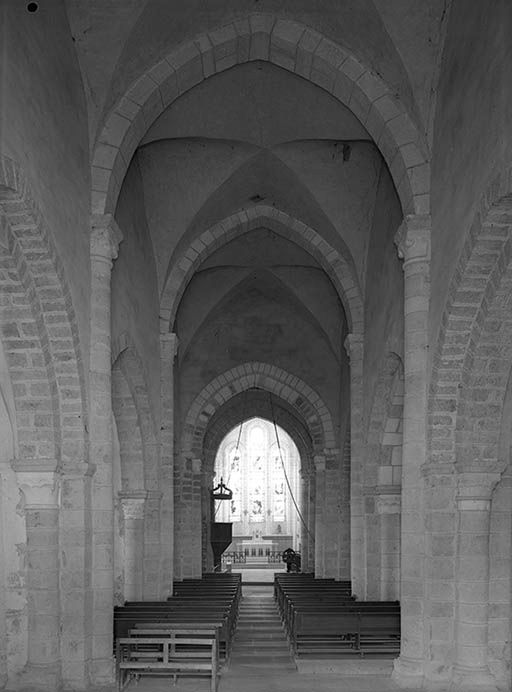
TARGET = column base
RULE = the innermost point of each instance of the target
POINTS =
(40, 678)
(408, 673)
(103, 673)
(469, 680)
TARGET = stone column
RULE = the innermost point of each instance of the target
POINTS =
(76, 595)
(304, 531)
(105, 239)
(39, 483)
(354, 348)
(3, 627)
(188, 530)
(168, 352)
(471, 671)
(132, 506)
(344, 571)
(206, 520)
(319, 462)
(388, 507)
(311, 521)
(413, 242)
(152, 541)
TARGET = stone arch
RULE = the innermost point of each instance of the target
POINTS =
(126, 357)
(43, 330)
(129, 432)
(241, 408)
(468, 397)
(500, 554)
(289, 45)
(136, 422)
(473, 291)
(300, 396)
(340, 269)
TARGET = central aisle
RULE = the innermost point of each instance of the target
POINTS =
(260, 641)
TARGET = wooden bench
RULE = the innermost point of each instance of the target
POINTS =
(347, 630)
(180, 652)
(321, 617)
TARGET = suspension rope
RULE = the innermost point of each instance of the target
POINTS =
(284, 468)
(237, 445)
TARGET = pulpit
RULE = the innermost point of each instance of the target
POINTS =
(221, 537)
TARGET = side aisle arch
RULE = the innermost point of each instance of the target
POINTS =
(472, 366)
(126, 357)
(289, 45)
(340, 269)
(137, 424)
(41, 340)
(481, 268)
(42, 276)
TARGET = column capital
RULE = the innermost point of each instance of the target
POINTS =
(38, 481)
(352, 343)
(106, 236)
(388, 503)
(196, 465)
(132, 503)
(319, 462)
(412, 238)
(169, 343)
(474, 489)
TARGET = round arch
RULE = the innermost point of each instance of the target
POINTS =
(340, 270)
(41, 276)
(301, 398)
(480, 272)
(292, 46)
(126, 357)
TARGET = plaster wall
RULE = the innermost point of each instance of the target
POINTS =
(472, 138)
(191, 184)
(44, 129)
(357, 27)
(383, 288)
(178, 178)
(134, 289)
(253, 252)
(243, 103)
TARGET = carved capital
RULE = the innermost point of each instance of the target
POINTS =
(412, 238)
(169, 347)
(133, 503)
(319, 461)
(388, 503)
(196, 465)
(353, 345)
(38, 481)
(106, 237)
(474, 490)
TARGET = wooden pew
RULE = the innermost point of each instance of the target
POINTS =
(320, 616)
(180, 652)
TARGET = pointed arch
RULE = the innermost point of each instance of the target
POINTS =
(292, 46)
(339, 268)
(300, 396)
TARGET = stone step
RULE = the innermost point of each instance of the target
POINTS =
(262, 645)
(271, 626)
(280, 662)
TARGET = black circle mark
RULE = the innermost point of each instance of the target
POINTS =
(32, 7)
